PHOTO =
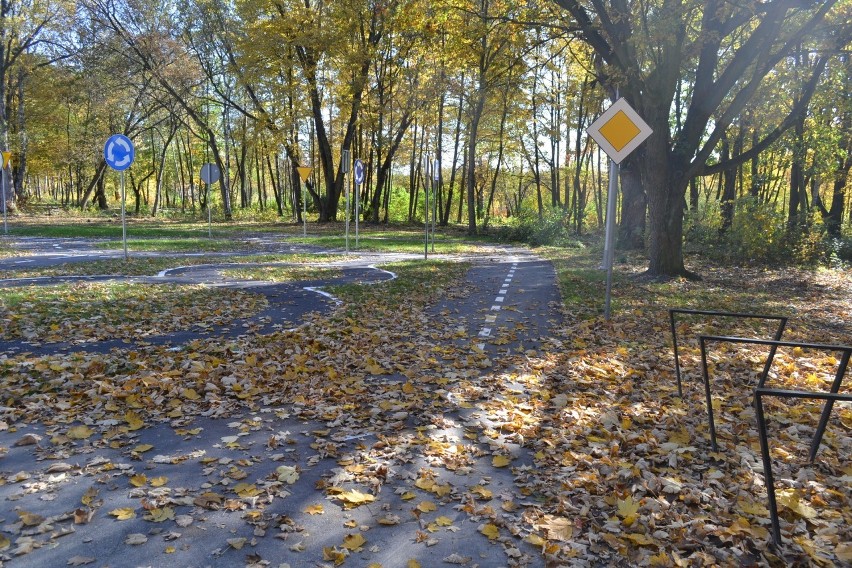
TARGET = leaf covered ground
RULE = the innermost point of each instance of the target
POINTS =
(577, 453)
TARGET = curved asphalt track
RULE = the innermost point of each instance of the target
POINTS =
(510, 304)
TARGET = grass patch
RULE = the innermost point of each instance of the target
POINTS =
(92, 311)
(152, 265)
(416, 283)
(280, 273)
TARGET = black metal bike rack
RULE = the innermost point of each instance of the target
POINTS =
(761, 391)
(759, 394)
(782, 323)
(774, 345)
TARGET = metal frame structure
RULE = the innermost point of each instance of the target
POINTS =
(761, 392)
(782, 323)
(774, 345)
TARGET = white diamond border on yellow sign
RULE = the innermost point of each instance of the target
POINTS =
(594, 130)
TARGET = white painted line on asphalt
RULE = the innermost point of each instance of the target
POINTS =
(481, 346)
(490, 319)
(495, 308)
(23, 261)
(486, 331)
(499, 299)
(392, 274)
(504, 291)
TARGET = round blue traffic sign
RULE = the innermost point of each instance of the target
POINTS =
(359, 172)
(119, 152)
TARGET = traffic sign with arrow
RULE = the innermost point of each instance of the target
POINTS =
(359, 172)
(119, 152)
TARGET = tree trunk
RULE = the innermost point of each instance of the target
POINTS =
(476, 115)
(665, 205)
(634, 204)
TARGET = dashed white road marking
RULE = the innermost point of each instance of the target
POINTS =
(500, 299)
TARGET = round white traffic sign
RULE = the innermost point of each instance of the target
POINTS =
(119, 152)
(359, 172)
(210, 173)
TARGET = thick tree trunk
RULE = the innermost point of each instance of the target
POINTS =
(634, 205)
(476, 115)
(666, 188)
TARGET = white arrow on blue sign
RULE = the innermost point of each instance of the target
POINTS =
(359, 172)
(119, 152)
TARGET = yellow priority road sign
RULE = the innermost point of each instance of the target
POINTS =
(6, 157)
(619, 130)
(304, 173)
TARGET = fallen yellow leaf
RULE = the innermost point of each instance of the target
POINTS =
(331, 554)
(134, 421)
(160, 515)
(123, 514)
(79, 432)
(500, 461)
(355, 498)
(139, 480)
(30, 519)
(354, 542)
(426, 507)
(489, 530)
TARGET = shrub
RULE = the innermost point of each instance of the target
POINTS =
(760, 233)
(552, 228)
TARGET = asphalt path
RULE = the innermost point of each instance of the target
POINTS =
(510, 302)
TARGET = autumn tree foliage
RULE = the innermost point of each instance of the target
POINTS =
(726, 50)
(747, 101)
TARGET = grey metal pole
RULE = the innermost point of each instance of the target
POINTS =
(426, 189)
(304, 210)
(435, 176)
(347, 210)
(209, 215)
(123, 215)
(357, 213)
(609, 247)
(3, 191)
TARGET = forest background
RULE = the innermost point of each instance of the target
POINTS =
(750, 103)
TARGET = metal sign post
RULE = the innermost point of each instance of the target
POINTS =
(304, 174)
(358, 170)
(436, 177)
(609, 249)
(427, 187)
(618, 131)
(209, 174)
(6, 156)
(344, 167)
(119, 154)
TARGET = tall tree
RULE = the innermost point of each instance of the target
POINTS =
(26, 27)
(732, 47)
